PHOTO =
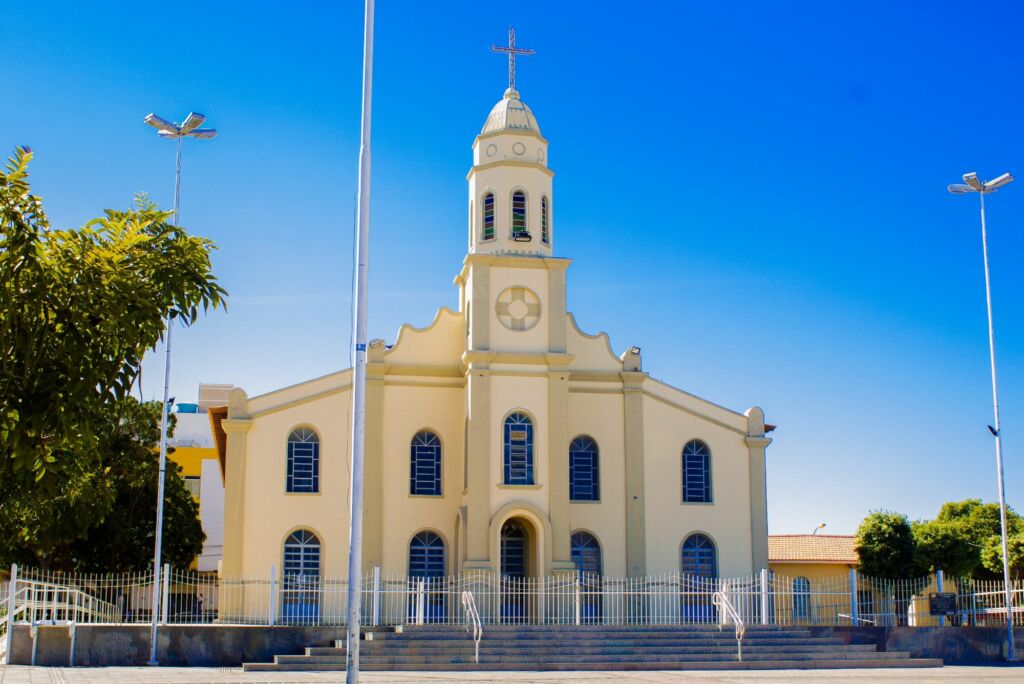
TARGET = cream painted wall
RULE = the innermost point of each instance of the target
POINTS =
(409, 410)
(669, 521)
(271, 513)
(600, 417)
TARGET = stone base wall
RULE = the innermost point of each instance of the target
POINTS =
(177, 645)
(231, 645)
(955, 645)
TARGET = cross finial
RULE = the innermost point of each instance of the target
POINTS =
(512, 51)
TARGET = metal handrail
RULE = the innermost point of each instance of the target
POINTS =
(473, 615)
(721, 601)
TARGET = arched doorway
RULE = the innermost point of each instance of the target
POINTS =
(516, 560)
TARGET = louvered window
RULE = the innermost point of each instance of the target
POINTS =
(518, 465)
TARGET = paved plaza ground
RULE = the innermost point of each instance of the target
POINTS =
(141, 675)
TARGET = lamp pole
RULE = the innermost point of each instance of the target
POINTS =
(355, 531)
(972, 184)
(168, 131)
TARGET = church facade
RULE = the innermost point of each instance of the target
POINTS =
(501, 437)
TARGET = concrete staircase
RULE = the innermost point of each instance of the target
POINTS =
(511, 647)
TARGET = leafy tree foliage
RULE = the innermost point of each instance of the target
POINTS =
(99, 517)
(885, 544)
(78, 309)
(963, 540)
(992, 555)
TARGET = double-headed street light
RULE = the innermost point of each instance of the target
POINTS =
(169, 131)
(972, 184)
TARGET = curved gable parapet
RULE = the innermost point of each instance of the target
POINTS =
(440, 343)
(592, 352)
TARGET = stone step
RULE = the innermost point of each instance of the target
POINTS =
(634, 643)
(465, 646)
(558, 651)
(586, 636)
(601, 665)
(442, 660)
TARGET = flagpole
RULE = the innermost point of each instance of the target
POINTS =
(355, 537)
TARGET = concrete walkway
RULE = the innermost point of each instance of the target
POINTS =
(15, 674)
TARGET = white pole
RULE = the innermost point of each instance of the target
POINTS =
(163, 442)
(1010, 655)
(12, 593)
(355, 535)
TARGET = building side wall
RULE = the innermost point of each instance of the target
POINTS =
(669, 521)
(600, 416)
(407, 410)
(271, 513)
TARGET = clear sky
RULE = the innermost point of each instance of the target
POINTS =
(753, 193)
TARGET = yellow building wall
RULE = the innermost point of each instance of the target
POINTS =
(191, 459)
(812, 571)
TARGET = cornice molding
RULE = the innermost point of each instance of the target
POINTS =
(510, 162)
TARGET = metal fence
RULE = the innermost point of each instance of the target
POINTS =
(567, 599)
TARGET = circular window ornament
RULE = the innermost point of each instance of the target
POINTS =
(519, 148)
(492, 150)
(540, 155)
(518, 308)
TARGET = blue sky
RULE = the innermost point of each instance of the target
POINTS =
(754, 194)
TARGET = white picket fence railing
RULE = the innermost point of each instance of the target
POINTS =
(565, 599)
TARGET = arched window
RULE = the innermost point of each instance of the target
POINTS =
(303, 461)
(544, 234)
(801, 598)
(518, 449)
(425, 464)
(426, 556)
(584, 479)
(698, 556)
(488, 215)
(696, 472)
(300, 579)
(586, 553)
(519, 215)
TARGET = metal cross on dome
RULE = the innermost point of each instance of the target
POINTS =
(512, 51)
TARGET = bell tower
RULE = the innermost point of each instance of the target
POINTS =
(510, 182)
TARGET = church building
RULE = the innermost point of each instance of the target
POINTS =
(500, 437)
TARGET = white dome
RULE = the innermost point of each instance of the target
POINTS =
(510, 113)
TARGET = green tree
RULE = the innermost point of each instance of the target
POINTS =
(885, 545)
(946, 545)
(992, 555)
(78, 309)
(100, 517)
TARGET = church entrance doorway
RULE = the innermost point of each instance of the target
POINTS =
(515, 563)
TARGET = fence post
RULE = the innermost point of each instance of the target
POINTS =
(272, 607)
(421, 596)
(12, 593)
(765, 596)
(854, 617)
(577, 598)
(166, 591)
(376, 595)
(939, 581)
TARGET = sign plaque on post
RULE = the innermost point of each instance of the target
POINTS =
(942, 603)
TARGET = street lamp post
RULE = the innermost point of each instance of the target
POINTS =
(177, 132)
(972, 184)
